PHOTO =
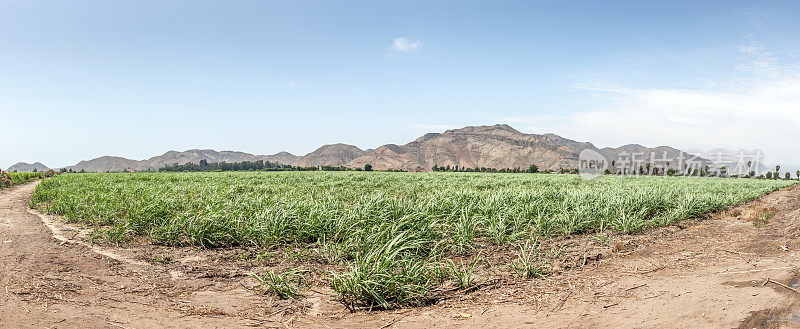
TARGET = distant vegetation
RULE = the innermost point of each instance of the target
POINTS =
(272, 166)
(644, 170)
(8, 179)
(247, 166)
(447, 168)
(388, 239)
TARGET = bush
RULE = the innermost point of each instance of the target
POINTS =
(387, 277)
(279, 284)
(8, 179)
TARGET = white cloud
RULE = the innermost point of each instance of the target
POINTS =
(757, 109)
(292, 84)
(404, 45)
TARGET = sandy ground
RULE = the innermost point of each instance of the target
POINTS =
(736, 268)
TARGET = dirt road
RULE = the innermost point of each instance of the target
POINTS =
(49, 283)
(702, 273)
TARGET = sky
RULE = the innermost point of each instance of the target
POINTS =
(81, 79)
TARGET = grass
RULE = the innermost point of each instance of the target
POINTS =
(393, 232)
(463, 274)
(388, 274)
(530, 262)
(280, 284)
(764, 217)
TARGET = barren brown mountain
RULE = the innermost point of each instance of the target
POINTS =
(106, 163)
(27, 167)
(331, 155)
(109, 163)
(498, 146)
(281, 157)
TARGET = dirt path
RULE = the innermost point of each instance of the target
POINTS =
(701, 273)
(48, 283)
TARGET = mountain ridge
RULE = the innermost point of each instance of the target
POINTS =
(27, 167)
(112, 163)
(497, 146)
(490, 146)
(337, 154)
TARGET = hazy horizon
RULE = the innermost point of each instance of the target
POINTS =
(83, 79)
(791, 167)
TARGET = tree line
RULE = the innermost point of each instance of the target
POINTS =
(448, 168)
(646, 170)
(259, 165)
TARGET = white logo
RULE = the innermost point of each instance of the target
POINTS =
(591, 164)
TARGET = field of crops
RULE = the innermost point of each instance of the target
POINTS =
(396, 233)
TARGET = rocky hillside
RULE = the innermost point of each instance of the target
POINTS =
(27, 167)
(281, 157)
(498, 146)
(331, 155)
(110, 163)
(106, 163)
(194, 156)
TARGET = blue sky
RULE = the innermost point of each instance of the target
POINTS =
(81, 79)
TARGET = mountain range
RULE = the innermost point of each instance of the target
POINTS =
(497, 146)
(27, 167)
(111, 163)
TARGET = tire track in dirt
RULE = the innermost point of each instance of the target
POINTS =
(48, 280)
(58, 230)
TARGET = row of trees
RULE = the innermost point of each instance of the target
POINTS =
(777, 175)
(204, 165)
(649, 169)
(273, 166)
(646, 169)
(531, 169)
(260, 165)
